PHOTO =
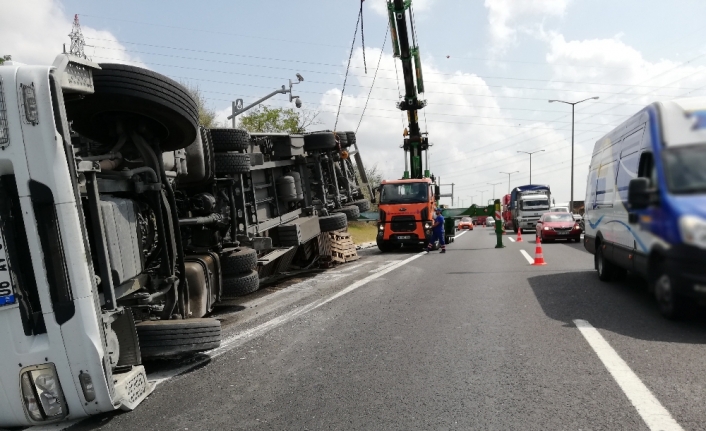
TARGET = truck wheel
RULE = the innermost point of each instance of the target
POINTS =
(351, 211)
(232, 163)
(230, 139)
(336, 221)
(162, 338)
(319, 141)
(342, 139)
(604, 267)
(240, 284)
(362, 204)
(351, 138)
(242, 261)
(387, 247)
(671, 305)
(167, 108)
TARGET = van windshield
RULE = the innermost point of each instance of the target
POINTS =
(684, 168)
(403, 193)
(536, 204)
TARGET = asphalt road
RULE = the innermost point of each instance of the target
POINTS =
(473, 339)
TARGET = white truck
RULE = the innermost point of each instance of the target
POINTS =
(527, 204)
(122, 223)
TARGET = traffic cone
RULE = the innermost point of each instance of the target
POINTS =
(538, 255)
(519, 235)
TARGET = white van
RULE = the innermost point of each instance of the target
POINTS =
(646, 202)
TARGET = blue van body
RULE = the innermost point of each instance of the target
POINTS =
(666, 144)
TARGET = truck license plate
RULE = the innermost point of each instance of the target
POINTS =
(404, 237)
(7, 294)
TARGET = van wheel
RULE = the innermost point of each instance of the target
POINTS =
(604, 267)
(670, 303)
(164, 338)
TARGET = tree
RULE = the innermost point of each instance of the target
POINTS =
(278, 120)
(207, 116)
(5, 58)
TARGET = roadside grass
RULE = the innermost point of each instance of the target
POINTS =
(362, 232)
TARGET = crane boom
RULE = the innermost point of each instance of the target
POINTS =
(415, 143)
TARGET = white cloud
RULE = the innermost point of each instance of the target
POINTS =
(380, 6)
(504, 16)
(33, 32)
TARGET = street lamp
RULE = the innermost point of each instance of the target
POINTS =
(493, 184)
(573, 104)
(530, 154)
(481, 195)
(474, 196)
(237, 106)
(508, 179)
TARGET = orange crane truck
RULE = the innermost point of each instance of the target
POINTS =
(407, 205)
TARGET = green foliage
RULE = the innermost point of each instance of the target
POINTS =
(207, 116)
(277, 120)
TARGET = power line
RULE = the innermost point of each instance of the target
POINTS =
(375, 76)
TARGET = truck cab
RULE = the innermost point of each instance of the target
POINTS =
(406, 213)
(527, 204)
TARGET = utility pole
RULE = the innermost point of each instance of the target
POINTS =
(508, 179)
(472, 198)
(530, 154)
(573, 105)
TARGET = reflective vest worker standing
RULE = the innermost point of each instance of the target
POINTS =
(437, 232)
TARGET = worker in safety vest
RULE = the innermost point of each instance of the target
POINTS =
(437, 232)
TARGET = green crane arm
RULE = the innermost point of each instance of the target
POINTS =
(415, 145)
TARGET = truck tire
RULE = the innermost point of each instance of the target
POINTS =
(336, 221)
(166, 107)
(232, 163)
(319, 141)
(239, 262)
(363, 205)
(163, 338)
(351, 211)
(342, 139)
(386, 247)
(351, 138)
(240, 284)
(230, 139)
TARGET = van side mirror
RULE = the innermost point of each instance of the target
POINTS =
(639, 193)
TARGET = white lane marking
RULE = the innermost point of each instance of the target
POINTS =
(242, 337)
(462, 233)
(511, 239)
(527, 256)
(385, 265)
(345, 269)
(652, 412)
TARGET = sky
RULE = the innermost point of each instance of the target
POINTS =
(490, 67)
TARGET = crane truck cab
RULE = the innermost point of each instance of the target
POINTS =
(406, 213)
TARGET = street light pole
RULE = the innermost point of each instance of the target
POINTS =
(481, 195)
(493, 184)
(237, 106)
(508, 179)
(530, 154)
(573, 105)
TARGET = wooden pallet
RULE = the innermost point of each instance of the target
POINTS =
(337, 246)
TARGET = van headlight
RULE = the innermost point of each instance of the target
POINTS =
(693, 231)
(42, 394)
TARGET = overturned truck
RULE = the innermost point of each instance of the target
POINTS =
(123, 223)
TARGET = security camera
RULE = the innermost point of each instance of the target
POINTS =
(298, 103)
(300, 78)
